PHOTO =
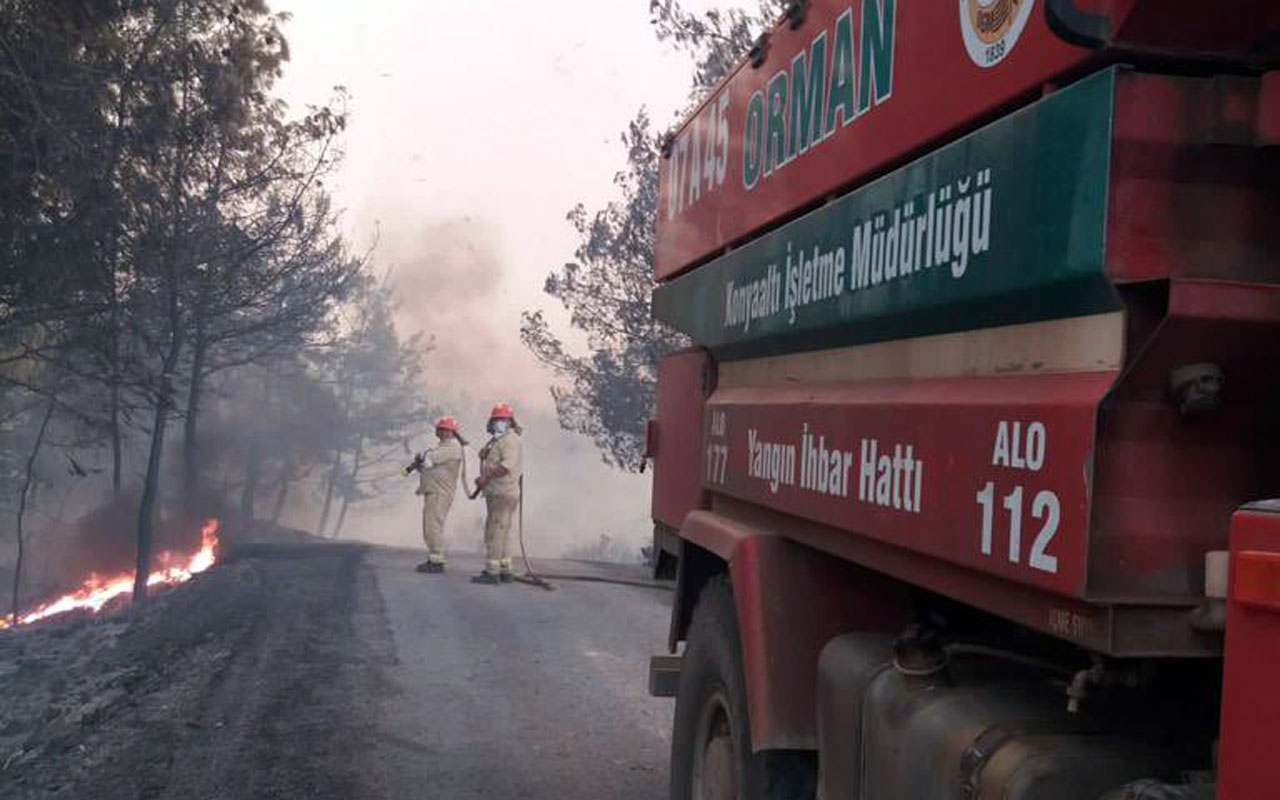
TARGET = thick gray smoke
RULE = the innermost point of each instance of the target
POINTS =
(450, 284)
(453, 286)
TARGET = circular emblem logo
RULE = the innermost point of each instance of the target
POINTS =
(991, 28)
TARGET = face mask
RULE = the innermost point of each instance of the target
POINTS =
(499, 426)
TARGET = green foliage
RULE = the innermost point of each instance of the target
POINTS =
(608, 393)
(606, 291)
(378, 378)
(717, 39)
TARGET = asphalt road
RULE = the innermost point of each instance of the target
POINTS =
(514, 691)
(335, 671)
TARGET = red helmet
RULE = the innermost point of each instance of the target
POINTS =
(502, 411)
(447, 423)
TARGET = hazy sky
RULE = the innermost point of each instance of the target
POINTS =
(475, 127)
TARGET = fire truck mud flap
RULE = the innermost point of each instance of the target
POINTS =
(664, 675)
(790, 599)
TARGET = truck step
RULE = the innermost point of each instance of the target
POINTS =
(664, 675)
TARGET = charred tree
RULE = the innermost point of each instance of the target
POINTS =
(350, 488)
(28, 481)
(190, 429)
(282, 492)
(163, 405)
(331, 483)
(249, 492)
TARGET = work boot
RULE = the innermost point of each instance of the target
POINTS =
(486, 577)
(506, 577)
(430, 567)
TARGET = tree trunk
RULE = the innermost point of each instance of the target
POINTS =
(116, 444)
(190, 430)
(346, 496)
(28, 479)
(328, 493)
(248, 494)
(342, 516)
(147, 508)
(286, 480)
(117, 459)
(151, 482)
(337, 461)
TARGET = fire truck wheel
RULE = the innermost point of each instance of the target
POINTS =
(711, 756)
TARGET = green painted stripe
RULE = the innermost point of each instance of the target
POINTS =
(1022, 204)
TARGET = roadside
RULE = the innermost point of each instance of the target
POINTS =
(237, 685)
(336, 671)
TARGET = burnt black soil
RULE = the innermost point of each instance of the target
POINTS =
(249, 682)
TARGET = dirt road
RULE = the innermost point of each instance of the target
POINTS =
(335, 671)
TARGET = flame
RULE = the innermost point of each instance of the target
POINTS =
(96, 591)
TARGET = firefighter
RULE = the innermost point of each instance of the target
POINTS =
(500, 472)
(438, 480)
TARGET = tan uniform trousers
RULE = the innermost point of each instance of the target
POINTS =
(437, 485)
(497, 529)
(435, 509)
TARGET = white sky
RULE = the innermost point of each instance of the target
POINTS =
(475, 126)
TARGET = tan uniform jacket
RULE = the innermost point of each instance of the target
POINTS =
(442, 476)
(504, 451)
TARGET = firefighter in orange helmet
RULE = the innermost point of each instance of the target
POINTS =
(437, 482)
(500, 473)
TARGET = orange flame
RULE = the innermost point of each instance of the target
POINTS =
(96, 592)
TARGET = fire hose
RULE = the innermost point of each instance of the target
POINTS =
(419, 462)
(532, 578)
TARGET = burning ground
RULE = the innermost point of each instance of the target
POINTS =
(239, 683)
(97, 592)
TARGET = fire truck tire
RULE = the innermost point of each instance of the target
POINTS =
(711, 756)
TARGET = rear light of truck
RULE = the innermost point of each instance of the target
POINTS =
(651, 439)
(1257, 581)
(1269, 109)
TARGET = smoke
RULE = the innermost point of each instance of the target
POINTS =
(104, 539)
(78, 529)
(455, 287)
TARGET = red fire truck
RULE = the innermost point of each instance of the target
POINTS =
(965, 479)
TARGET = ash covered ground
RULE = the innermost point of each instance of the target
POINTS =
(310, 669)
(239, 684)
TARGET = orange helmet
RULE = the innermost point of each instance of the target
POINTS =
(447, 423)
(502, 411)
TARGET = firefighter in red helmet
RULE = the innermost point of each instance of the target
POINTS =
(500, 472)
(437, 483)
